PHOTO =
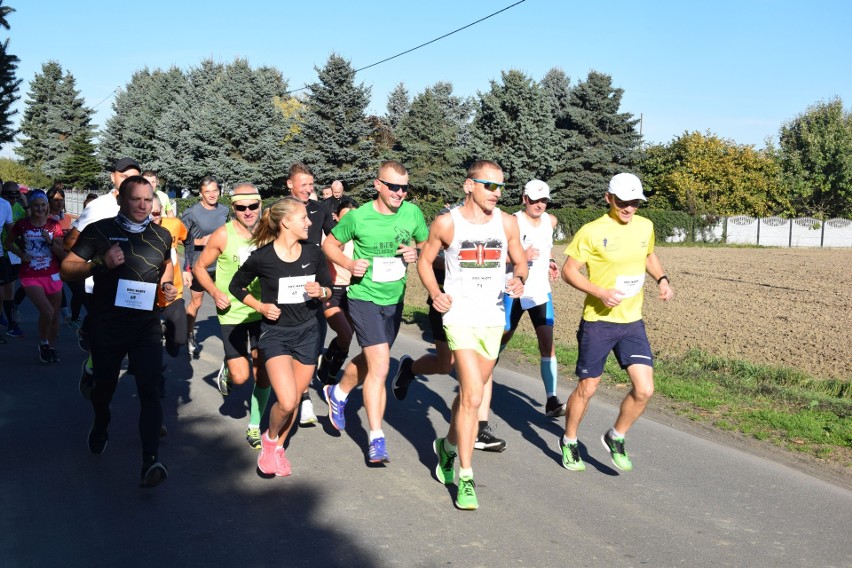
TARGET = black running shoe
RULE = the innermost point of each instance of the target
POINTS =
(488, 442)
(97, 440)
(44, 353)
(554, 407)
(54, 356)
(153, 473)
(403, 378)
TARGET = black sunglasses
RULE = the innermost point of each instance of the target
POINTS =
(396, 187)
(241, 208)
(489, 185)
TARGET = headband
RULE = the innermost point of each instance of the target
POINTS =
(244, 196)
(36, 194)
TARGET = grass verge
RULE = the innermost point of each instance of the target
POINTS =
(778, 405)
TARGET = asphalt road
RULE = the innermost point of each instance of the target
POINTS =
(689, 501)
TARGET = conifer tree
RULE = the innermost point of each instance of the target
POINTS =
(9, 82)
(514, 127)
(336, 140)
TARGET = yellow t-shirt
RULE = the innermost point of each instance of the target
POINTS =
(614, 255)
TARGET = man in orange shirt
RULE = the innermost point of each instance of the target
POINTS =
(174, 312)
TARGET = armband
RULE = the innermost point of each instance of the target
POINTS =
(661, 278)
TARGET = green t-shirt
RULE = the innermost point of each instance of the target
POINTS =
(377, 237)
(237, 250)
(614, 255)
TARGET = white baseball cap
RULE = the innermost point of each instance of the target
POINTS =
(537, 189)
(626, 187)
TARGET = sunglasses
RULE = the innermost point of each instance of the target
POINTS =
(396, 187)
(635, 203)
(489, 185)
(252, 207)
(156, 213)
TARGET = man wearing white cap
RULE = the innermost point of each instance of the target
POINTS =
(536, 228)
(617, 250)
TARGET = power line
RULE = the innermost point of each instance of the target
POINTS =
(107, 97)
(425, 44)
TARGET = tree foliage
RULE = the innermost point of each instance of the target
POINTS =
(9, 82)
(336, 140)
(598, 140)
(703, 174)
(816, 157)
(54, 117)
(11, 170)
(514, 127)
(431, 142)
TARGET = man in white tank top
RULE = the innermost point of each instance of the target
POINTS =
(536, 228)
(477, 238)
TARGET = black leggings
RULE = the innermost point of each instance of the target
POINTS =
(141, 342)
(79, 298)
(174, 316)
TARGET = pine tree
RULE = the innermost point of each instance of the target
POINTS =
(81, 167)
(398, 105)
(55, 113)
(9, 82)
(600, 141)
(337, 137)
(514, 127)
(228, 122)
(132, 130)
(431, 143)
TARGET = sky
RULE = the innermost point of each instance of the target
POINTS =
(736, 69)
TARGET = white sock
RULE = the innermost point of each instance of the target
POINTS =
(566, 440)
(375, 434)
(465, 473)
(615, 433)
(339, 395)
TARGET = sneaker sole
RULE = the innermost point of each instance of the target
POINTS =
(309, 421)
(438, 471)
(90, 448)
(395, 381)
(326, 393)
(222, 382)
(155, 475)
(556, 412)
(497, 448)
(607, 448)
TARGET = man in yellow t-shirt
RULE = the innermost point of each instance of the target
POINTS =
(617, 250)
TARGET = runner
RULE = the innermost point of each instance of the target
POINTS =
(42, 249)
(441, 363)
(536, 228)
(617, 250)
(201, 220)
(336, 311)
(229, 247)
(294, 280)
(476, 238)
(173, 312)
(382, 231)
(129, 259)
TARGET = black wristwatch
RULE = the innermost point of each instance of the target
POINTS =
(661, 278)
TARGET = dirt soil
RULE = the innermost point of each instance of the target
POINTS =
(783, 307)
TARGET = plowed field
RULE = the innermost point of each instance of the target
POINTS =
(789, 307)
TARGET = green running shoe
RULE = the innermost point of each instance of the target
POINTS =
(571, 456)
(466, 497)
(617, 452)
(444, 471)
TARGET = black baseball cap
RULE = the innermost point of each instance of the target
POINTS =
(125, 164)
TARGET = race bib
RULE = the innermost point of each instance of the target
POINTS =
(478, 282)
(388, 269)
(629, 285)
(13, 258)
(291, 290)
(55, 277)
(135, 295)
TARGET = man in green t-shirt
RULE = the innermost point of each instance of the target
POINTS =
(617, 250)
(382, 231)
(229, 246)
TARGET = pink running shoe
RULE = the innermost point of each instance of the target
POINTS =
(266, 461)
(282, 464)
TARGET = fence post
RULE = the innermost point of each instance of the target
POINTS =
(758, 231)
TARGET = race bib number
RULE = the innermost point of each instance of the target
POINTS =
(629, 285)
(135, 295)
(477, 282)
(292, 290)
(388, 269)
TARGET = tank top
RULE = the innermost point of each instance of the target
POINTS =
(537, 286)
(475, 264)
(237, 250)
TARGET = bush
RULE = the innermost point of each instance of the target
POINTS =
(666, 223)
